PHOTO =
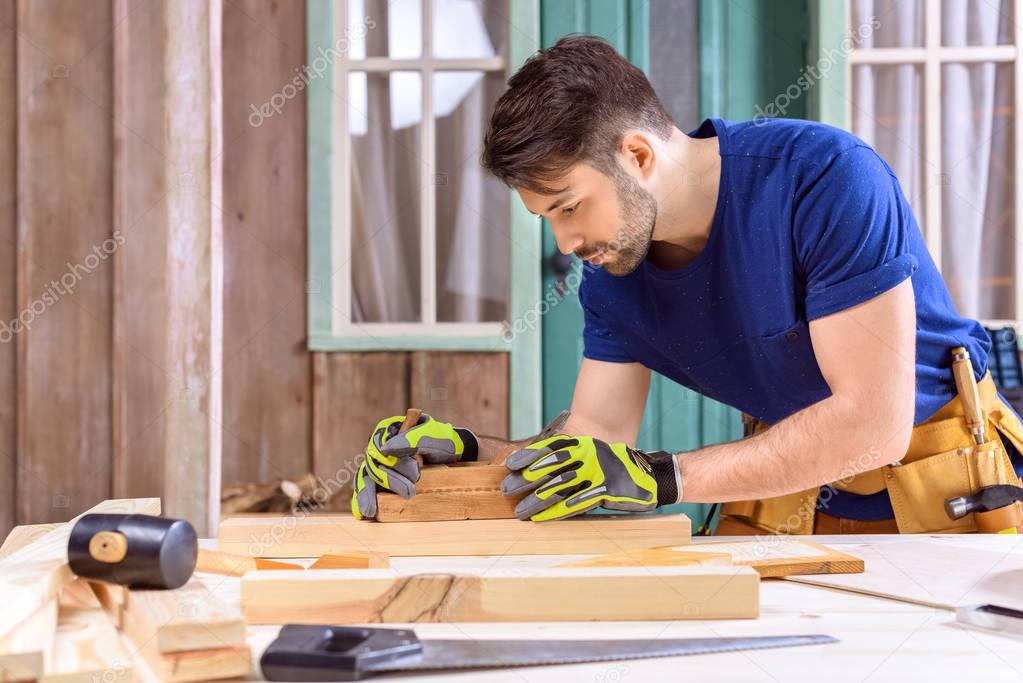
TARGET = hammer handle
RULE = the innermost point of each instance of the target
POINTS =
(109, 547)
(966, 385)
(235, 565)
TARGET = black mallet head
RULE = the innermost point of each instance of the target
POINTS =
(137, 551)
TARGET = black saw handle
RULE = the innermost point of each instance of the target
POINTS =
(336, 653)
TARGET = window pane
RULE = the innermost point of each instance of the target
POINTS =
(887, 112)
(384, 123)
(887, 23)
(978, 173)
(469, 28)
(473, 247)
(397, 28)
(988, 22)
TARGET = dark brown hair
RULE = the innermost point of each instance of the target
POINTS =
(569, 103)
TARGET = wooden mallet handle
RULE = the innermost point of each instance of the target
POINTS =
(109, 547)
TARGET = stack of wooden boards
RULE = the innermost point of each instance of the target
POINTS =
(666, 579)
(56, 627)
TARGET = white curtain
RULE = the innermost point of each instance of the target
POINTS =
(976, 169)
(472, 208)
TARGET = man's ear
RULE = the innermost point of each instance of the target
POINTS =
(638, 150)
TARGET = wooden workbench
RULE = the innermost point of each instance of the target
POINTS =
(881, 640)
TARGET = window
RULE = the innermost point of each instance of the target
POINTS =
(415, 244)
(934, 86)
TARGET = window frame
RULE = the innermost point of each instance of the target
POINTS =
(329, 291)
(831, 102)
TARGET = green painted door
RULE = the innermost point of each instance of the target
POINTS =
(749, 50)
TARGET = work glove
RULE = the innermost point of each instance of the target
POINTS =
(570, 475)
(390, 458)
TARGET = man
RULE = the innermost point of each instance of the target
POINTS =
(772, 265)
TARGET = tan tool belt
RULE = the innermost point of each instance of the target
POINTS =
(942, 461)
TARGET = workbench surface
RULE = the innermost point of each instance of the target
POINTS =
(881, 639)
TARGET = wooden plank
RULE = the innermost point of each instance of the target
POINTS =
(583, 594)
(34, 574)
(8, 263)
(353, 560)
(187, 618)
(467, 389)
(64, 266)
(771, 557)
(316, 535)
(87, 647)
(194, 317)
(198, 665)
(27, 651)
(141, 188)
(267, 368)
(352, 392)
(21, 536)
(451, 492)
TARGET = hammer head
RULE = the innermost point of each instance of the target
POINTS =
(985, 500)
(161, 552)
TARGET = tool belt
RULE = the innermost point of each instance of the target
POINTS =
(943, 461)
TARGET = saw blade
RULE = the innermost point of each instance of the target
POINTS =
(476, 654)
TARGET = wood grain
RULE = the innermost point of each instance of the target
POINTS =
(316, 535)
(267, 368)
(467, 389)
(621, 594)
(353, 391)
(27, 651)
(21, 536)
(64, 236)
(87, 648)
(194, 316)
(140, 192)
(8, 263)
(34, 574)
(771, 557)
(451, 492)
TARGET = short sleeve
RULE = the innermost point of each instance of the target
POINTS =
(851, 231)
(600, 342)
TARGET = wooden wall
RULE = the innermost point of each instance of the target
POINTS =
(83, 390)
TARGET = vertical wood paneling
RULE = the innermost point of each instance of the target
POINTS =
(467, 389)
(140, 301)
(64, 69)
(352, 392)
(8, 261)
(194, 317)
(267, 369)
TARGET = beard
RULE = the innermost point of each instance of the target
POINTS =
(637, 211)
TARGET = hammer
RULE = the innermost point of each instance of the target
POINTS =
(1003, 497)
(143, 551)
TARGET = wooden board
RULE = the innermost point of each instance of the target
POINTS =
(87, 647)
(64, 226)
(34, 574)
(27, 651)
(466, 388)
(198, 665)
(770, 557)
(352, 392)
(451, 492)
(8, 262)
(941, 576)
(315, 535)
(21, 536)
(618, 593)
(353, 560)
(187, 618)
(267, 365)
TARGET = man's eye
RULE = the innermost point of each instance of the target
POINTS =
(569, 210)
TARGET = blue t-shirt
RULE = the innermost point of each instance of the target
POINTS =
(809, 221)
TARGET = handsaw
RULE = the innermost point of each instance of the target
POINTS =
(352, 653)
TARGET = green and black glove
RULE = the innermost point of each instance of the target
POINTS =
(570, 475)
(390, 463)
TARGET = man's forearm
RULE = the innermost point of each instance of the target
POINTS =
(818, 445)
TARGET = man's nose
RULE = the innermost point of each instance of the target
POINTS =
(567, 244)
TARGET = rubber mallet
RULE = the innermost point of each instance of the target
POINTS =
(143, 551)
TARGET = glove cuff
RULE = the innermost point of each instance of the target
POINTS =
(471, 452)
(664, 469)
